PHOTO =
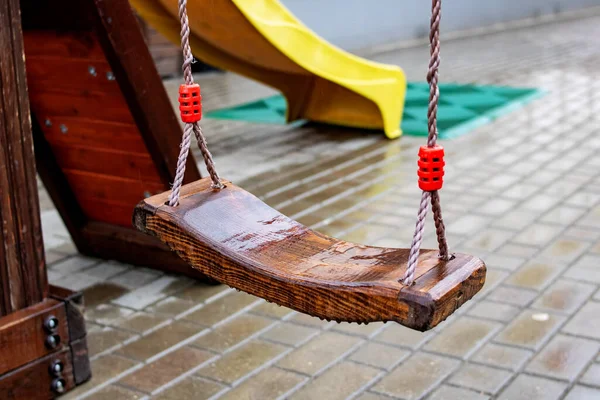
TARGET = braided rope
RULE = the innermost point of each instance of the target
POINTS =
(434, 197)
(186, 140)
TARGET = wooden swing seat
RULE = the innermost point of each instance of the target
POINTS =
(235, 238)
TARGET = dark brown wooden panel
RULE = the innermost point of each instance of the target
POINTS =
(89, 105)
(108, 212)
(23, 336)
(69, 44)
(94, 134)
(34, 380)
(87, 185)
(70, 75)
(107, 162)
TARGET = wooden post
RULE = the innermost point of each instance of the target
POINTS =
(43, 351)
(23, 279)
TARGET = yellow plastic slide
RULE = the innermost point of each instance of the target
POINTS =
(262, 40)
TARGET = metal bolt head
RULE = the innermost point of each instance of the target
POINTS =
(51, 324)
(48, 122)
(52, 341)
(56, 368)
(58, 386)
(63, 128)
(110, 76)
(92, 70)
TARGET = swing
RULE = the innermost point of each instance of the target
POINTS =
(232, 236)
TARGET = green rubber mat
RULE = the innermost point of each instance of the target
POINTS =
(461, 108)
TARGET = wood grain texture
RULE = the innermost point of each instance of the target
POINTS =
(34, 381)
(23, 279)
(234, 237)
(23, 337)
(63, 39)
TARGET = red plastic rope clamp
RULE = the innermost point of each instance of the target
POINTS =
(431, 168)
(190, 103)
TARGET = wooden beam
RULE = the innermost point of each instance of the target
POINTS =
(23, 280)
(38, 379)
(29, 334)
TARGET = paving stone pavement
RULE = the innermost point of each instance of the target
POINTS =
(523, 193)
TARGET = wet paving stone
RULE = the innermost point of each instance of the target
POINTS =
(416, 376)
(338, 382)
(359, 330)
(303, 319)
(530, 329)
(200, 292)
(488, 239)
(271, 310)
(106, 314)
(563, 215)
(463, 337)
(102, 340)
(171, 306)
(586, 269)
(564, 250)
(511, 295)
(232, 333)
(102, 292)
(468, 224)
(190, 388)
(496, 311)
(535, 275)
(583, 393)
(379, 355)
(537, 235)
(221, 308)
(564, 357)
(104, 368)
(271, 383)
(148, 294)
(113, 392)
(289, 334)
(592, 375)
(497, 261)
(586, 322)
(140, 322)
(402, 336)
(564, 296)
(319, 352)
(372, 396)
(445, 392)
(502, 356)
(241, 361)
(135, 278)
(526, 387)
(159, 340)
(74, 264)
(480, 378)
(162, 371)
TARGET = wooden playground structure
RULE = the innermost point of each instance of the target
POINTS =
(93, 96)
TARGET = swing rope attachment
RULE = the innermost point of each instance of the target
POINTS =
(190, 107)
(431, 158)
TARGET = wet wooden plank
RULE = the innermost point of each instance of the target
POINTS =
(234, 237)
